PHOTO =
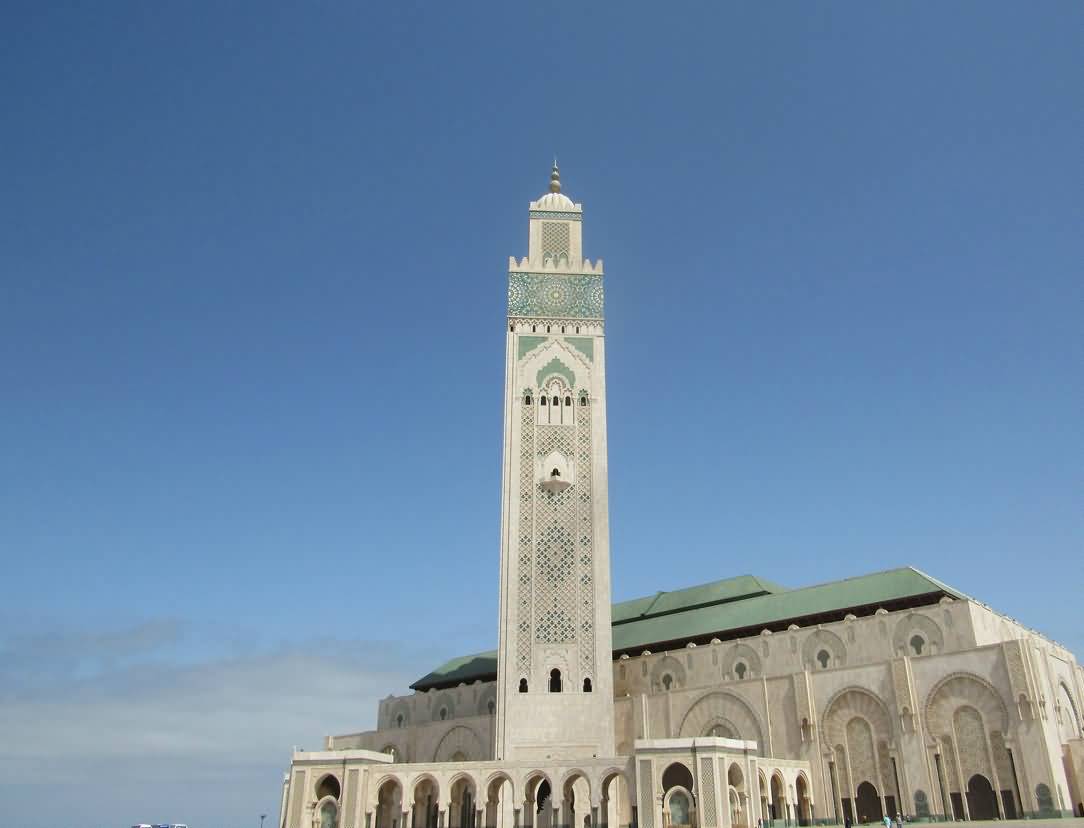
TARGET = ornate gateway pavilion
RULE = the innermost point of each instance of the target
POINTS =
(716, 706)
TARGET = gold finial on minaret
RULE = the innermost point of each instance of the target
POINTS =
(555, 178)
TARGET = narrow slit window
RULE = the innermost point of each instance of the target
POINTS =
(523, 685)
(587, 685)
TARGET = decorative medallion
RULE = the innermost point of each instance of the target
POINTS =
(556, 295)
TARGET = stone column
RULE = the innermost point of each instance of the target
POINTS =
(960, 780)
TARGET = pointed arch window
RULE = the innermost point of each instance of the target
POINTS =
(555, 680)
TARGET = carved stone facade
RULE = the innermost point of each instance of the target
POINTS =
(714, 707)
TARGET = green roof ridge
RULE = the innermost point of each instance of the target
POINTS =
(713, 609)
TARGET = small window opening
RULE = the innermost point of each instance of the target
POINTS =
(534, 329)
(547, 329)
(511, 328)
(562, 329)
(577, 329)
(917, 643)
(556, 400)
(568, 400)
(740, 669)
(491, 706)
(542, 400)
(583, 400)
(443, 713)
(555, 680)
(823, 658)
(587, 685)
(555, 473)
(399, 720)
(523, 685)
(667, 680)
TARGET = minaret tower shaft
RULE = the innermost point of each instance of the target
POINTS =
(555, 681)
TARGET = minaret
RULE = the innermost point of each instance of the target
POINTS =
(555, 681)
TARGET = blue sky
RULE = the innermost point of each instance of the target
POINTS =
(252, 265)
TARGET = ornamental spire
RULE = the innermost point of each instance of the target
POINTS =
(555, 178)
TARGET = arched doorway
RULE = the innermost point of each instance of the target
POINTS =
(426, 803)
(615, 808)
(805, 815)
(575, 800)
(981, 800)
(462, 810)
(538, 802)
(678, 808)
(762, 789)
(328, 786)
(499, 800)
(677, 774)
(869, 804)
(779, 799)
(737, 796)
(389, 804)
(328, 814)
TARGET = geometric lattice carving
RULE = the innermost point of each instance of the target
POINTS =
(555, 548)
(862, 753)
(554, 241)
(707, 794)
(552, 214)
(351, 794)
(526, 538)
(585, 542)
(646, 786)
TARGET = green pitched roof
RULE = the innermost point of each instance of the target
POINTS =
(777, 609)
(716, 592)
(730, 608)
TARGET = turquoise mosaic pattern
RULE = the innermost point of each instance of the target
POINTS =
(528, 344)
(556, 296)
(555, 366)
(551, 214)
(584, 344)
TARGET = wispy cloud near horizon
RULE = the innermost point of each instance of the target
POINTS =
(136, 736)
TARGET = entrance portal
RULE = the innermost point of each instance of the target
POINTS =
(981, 802)
(869, 804)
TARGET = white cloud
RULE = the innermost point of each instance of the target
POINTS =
(97, 730)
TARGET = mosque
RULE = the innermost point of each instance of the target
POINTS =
(730, 704)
